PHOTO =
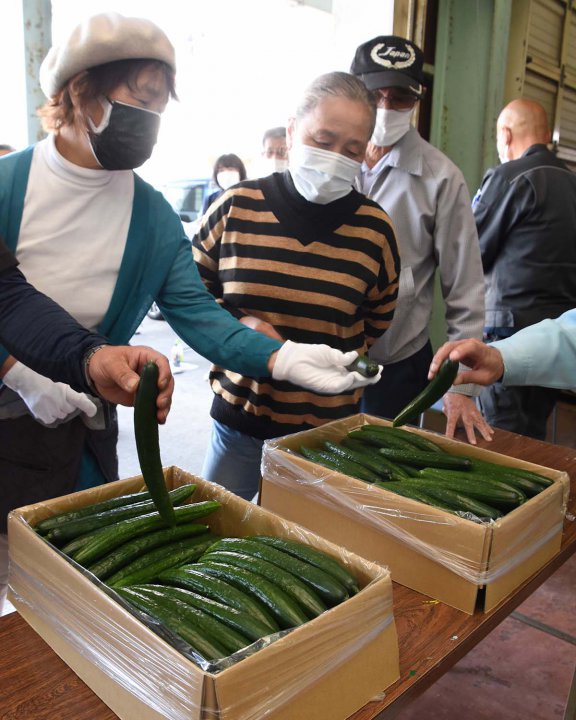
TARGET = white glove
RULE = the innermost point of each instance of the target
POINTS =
(48, 401)
(319, 368)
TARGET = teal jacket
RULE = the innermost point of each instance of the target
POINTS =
(157, 265)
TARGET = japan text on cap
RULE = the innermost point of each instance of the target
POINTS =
(102, 39)
(390, 61)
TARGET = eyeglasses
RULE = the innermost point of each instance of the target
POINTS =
(394, 99)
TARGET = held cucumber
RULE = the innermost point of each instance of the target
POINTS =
(365, 366)
(147, 442)
(435, 389)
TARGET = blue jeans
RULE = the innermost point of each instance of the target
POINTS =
(233, 460)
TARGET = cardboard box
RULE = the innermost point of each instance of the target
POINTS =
(452, 559)
(325, 669)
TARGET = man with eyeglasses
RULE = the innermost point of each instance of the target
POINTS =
(426, 196)
(274, 151)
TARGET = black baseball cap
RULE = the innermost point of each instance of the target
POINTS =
(390, 61)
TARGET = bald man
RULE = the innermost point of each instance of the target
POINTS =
(525, 212)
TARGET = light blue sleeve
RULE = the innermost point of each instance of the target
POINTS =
(542, 355)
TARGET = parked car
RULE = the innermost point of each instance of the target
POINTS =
(187, 198)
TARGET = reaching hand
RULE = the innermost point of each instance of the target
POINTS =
(114, 370)
(49, 402)
(319, 368)
(486, 362)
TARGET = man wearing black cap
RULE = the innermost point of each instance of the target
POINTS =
(426, 196)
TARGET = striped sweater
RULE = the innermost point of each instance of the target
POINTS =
(317, 273)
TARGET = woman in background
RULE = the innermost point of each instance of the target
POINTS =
(228, 170)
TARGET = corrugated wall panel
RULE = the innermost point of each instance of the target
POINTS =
(545, 37)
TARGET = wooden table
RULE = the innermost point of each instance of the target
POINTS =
(36, 685)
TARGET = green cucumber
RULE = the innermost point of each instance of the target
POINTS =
(196, 579)
(487, 492)
(147, 567)
(411, 438)
(324, 584)
(121, 556)
(435, 389)
(414, 493)
(242, 622)
(422, 459)
(289, 583)
(284, 610)
(178, 621)
(81, 526)
(314, 557)
(381, 438)
(147, 442)
(540, 480)
(464, 503)
(372, 451)
(365, 366)
(371, 463)
(339, 463)
(62, 518)
(107, 539)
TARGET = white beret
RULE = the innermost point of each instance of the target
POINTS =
(102, 39)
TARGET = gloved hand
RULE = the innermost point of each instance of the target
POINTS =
(48, 401)
(319, 368)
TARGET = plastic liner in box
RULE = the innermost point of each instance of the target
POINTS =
(285, 468)
(130, 660)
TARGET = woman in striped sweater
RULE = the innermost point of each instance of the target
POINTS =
(299, 256)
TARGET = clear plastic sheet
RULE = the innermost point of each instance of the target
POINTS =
(95, 623)
(402, 519)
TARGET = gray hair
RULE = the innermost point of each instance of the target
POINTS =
(336, 84)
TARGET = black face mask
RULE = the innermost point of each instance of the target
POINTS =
(128, 139)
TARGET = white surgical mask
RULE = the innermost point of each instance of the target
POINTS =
(391, 126)
(227, 178)
(321, 176)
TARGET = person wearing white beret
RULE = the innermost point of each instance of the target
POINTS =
(93, 236)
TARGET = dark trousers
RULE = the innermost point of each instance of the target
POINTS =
(523, 410)
(400, 383)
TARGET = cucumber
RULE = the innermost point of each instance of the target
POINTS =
(422, 459)
(435, 389)
(482, 480)
(147, 567)
(464, 503)
(372, 451)
(417, 441)
(491, 494)
(290, 584)
(178, 621)
(195, 579)
(339, 463)
(540, 480)
(414, 493)
(244, 623)
(365, 366)
(314, 557)
(284, 610)
(372, 463)
(107, 539)
(81, 526)
(147, 442)
(380, 438)
(62, 518)
(121, 556)
(324, 584)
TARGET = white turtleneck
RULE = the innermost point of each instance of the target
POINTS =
(73, 232)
